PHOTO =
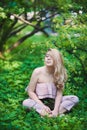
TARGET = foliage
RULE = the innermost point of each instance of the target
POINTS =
(72, 39)
(9, 22)
(16, 68)
(15, 73)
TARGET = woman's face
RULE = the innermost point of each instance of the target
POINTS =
(49, 59)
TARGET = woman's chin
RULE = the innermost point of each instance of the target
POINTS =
(49, 65)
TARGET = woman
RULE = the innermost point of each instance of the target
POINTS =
(46, 87)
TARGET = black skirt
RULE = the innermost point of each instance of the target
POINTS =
(49, 102)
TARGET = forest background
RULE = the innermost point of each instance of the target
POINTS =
(27, 30)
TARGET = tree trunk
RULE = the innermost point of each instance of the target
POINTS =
(21, 40)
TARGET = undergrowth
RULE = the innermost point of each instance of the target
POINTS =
(15, 72)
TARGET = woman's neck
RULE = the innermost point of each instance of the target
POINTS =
(49, 70)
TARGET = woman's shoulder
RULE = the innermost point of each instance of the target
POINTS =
(38, 70)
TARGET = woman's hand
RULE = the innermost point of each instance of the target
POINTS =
(46, 111)
(54, 113)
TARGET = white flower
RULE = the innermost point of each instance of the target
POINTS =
(12, 17)
(80, 11)
(77, 35)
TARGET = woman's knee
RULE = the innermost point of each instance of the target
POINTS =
(29, 103)
(24, 103)
(76, 99)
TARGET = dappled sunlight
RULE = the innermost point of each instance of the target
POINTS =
(11, 65)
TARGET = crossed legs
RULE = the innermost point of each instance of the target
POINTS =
(66, 104)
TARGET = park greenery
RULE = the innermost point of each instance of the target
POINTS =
(23, 43)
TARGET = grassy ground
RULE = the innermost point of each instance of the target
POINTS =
(15, 73)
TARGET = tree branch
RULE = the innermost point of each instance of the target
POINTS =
(25, 21)
(16, 31)
(21, 40)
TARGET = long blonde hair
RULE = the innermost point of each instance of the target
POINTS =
(60, 74)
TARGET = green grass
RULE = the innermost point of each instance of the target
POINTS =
(15, 72)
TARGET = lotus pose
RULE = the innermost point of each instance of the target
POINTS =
(46, 87)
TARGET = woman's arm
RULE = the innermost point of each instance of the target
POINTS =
(32, 94)
(32, 85)
(58, 99)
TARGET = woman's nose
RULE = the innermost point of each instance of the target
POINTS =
(49, 58)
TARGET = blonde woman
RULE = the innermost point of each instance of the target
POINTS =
(46, 87)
